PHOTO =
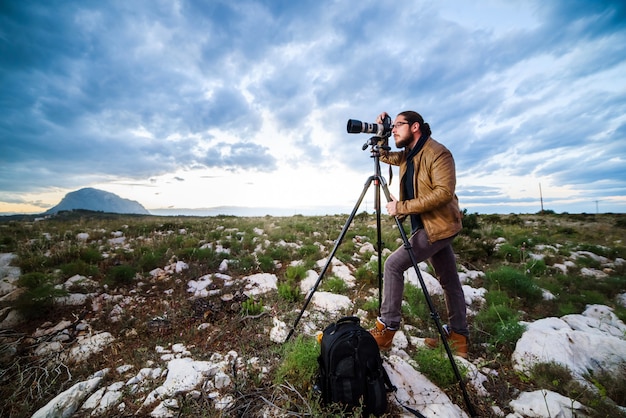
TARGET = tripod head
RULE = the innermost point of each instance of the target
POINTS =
(377, 143)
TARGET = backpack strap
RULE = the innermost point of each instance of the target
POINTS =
(390, 387)
(411, 410)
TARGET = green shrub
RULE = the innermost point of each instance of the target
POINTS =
(79, 267)
(515, 283)
(558, 378)
(500, 324)
(435, 365)
(497, 297)
(584, 261)
(7, 244)
(251, 307)
(368, 272)
(266, 263)
(244, 264)
(509, 253)
(310, 252)
(299, 362)
(289, 292)
(289, 287)
(415, 306)
(335, 285)
(121, 275)
(296, 273)
(90, 255)
(280, 252)
(38, 297)
(536, 267)
(150, 260)
(611, 384)
(470, 222)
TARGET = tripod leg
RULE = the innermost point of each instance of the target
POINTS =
(379, 242)
(332, 254)
(433, 313)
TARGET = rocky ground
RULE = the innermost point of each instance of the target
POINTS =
(178, 343)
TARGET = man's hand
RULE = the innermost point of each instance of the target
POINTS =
(382, 117)
(392, 208)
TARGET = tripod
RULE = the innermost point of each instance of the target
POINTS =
(376, 143)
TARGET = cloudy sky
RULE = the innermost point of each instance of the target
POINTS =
(199, 104)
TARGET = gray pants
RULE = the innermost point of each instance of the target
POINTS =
(443, 261)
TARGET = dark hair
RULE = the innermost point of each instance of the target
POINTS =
(413, 117)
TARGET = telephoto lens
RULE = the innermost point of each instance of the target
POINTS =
(357, 127)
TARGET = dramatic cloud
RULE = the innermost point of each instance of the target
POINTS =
(189, 104)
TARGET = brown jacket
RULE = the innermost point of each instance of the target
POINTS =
(434, 183)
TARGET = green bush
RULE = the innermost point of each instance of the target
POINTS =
(79, 267)
(38, 297)
(310, 252)
(335, 285)
(470, 222)
(266, 263)
(90, 255)
(367, 274)
(121, 275)
(251, 307)
(435, 365)
(244, 264)
(509, 253)
(515, 283)
(415, 306)
(536, 267)
(500, 324)
(299, 362)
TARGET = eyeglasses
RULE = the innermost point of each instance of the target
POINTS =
(398, 124)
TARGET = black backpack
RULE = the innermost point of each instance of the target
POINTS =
(351, 369)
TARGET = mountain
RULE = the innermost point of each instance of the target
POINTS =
(98, 200)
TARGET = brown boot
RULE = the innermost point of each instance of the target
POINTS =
(458, 343)
(382, 335)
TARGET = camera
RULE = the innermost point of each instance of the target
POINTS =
(380, 129)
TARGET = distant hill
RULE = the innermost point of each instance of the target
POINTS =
(97, 200)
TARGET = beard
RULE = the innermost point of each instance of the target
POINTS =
(402, 141)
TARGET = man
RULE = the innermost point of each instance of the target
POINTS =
(427, 198)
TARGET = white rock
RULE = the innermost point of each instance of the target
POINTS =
(545, 403)
(307, 283)
(67, 402)
(432, 284)
(417, 392)
(582, 343)
(181, 266)
(13, 319)
(74, 299)
(166, 409)
(109, 399)
(473, 295)
(47, 347)
(330, 302)
(342, 271)
(223, 403)
(587, 272)
(183, 375)
(87, 346)
(221, 380)
(279, 332)
(93, 401)
(260, 283)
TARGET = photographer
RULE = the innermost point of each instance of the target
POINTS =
(427, 198)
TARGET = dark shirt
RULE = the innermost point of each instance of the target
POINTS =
(407, 183)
